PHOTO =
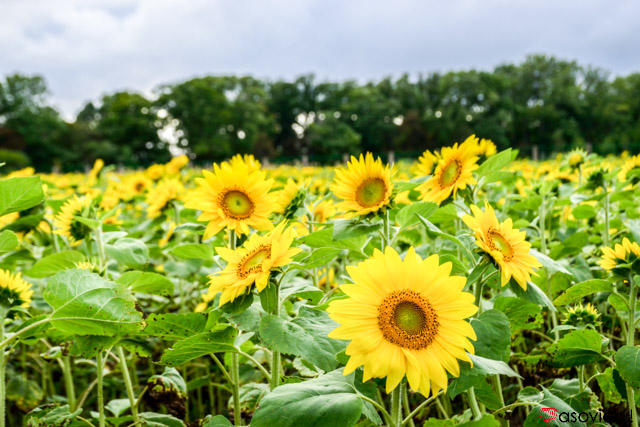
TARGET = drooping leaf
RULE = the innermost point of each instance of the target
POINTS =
(146, 282)
(19, 194)
(483, 366)
(628, 364)
(304, 336)
(193, 251)
(493, 333)
(87, 304)
(583, 289)
(51, 264)
(129, 252)
(328, 400)
(220, 339)
(577, 348)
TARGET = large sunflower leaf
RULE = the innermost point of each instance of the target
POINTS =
(174, 326)
(628, 363)
(18, 194)
(329, 400)
(52, 264)
(494, 335)
(87, 304)
(220, 339)
(577, 348)
(304, 336)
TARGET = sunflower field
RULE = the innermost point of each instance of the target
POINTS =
(469, 287)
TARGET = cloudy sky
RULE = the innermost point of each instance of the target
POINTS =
(86, 48)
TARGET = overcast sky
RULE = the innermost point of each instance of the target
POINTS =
(86, 48)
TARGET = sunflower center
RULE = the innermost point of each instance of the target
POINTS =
(252, 262)
(498, 243)
(139, 187)
(371, 192)
(236, 204)
(408, 320)
(450, 173)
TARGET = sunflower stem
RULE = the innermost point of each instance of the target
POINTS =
(235, 365)
(386, 241)
(606, 216)
(478, 289)
(129, 386)
(100, 390)
(275, 355)
(630, 342)
(497, 385)
(2, 372)
(396, 407)
(405, 403)
(68, 382)
(100, 245)
(473, 402)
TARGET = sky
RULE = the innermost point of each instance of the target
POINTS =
(88, 48)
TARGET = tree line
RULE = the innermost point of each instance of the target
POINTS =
(543, 101)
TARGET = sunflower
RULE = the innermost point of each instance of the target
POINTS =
(580, 315)
(577, 157)
(165, 240)
(405, 317)
(160, 196)
(620, 257)
(234, 198)
(486, 148)
(177, 163)
(8, 219)
(14, 290)
(364, 186)
(290, 198)
(426, 163)
(248, 160)
(66, 222)
(453, 172)
(135, 185)
(97, 167)
(252, 263)
(630, 170)
(155, 172)
(504, 244)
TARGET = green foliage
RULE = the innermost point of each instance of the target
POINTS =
(51, 264)
(19, 194)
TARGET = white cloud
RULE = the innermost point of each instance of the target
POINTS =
(86, 48)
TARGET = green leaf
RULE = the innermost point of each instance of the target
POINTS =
(348, 228)
(402, 186)
(50, 265)
(170, 381)
(317, 258)
(129, 252)
(304, 336)
(118, 406)
(220, 339)
(550, 400)
(174, 326)
(533, 294)
(25, 393)
(483, 366)
(584, 212)
(193, 251)
(269, 298)
(628, 363)
(56, 417)
(577, 348)
(19, 194)
(583, 289)
(8, 241)
(607, 384)
(486, 421)
(550, 264)
(618, 302)
(494, 335)
(151, 419)
(521, 314)
(406, 216)
(90, 345)
(446, 213)
(328, 400)
(495, 163)
(217, 421)
(148, 283)
(301, 288)
(86, 304)
(530, 394)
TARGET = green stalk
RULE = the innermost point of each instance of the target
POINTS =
(68, 382)
(101, 254)
(630, 342)
(405, 403)
(129, 386)
(275, 355)
(606, 216)
(497, 385)
(543, 248)
(473, 402)
(478, 291)
(396, 407)
(235, 365)
(100, 390)
(2, 373)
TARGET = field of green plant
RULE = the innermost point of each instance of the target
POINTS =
(468, 287)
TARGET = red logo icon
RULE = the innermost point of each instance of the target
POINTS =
(548, 415)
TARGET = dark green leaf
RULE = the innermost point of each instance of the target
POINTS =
(19, 194)
(50, 265)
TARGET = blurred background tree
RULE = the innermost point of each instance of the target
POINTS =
(543, 101)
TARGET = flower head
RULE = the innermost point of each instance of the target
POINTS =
(251, 264)
(405, 318)
(620, 259)
(160, 197)
(504, 244)
(14, 290)
(453, 173)
(364, 186)
(67, 223)
(233, 197)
